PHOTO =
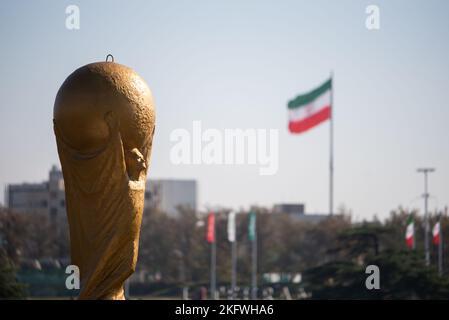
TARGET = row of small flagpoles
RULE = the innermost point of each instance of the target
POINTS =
(316, 113)
(437, 238)
(211, 239)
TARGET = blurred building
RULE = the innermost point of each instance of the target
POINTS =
(43, 198)
(297, 212)
(289, 208)
(48, 197)
(167, 195)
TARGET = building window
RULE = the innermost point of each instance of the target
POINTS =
(147, 195)
(44, 203)
(62, 203)
(53, 212)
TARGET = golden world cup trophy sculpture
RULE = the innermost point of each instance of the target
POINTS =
(104, 121)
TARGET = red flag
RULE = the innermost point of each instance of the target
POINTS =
(211, 228)
(436, 234)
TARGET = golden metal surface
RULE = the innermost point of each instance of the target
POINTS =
(104, 122)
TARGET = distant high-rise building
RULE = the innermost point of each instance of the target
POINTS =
(167, 195)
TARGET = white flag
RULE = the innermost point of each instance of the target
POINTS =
(231, 226)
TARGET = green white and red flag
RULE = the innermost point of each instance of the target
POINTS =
(410, 233)
(310, 109)
(436, 233)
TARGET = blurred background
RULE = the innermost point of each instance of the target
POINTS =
(232, 64)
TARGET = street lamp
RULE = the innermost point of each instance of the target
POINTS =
(426, 171)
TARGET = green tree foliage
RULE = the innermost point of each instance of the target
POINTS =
(33, 236)
(332, 255)
(10, 288)
(403, 274)
(336, 280)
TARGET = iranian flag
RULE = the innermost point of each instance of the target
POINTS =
(436, 233)
(309, 110)
(410, 233)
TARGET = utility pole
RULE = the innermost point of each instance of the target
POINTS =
(426, 171)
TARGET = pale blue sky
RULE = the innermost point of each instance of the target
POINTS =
(235, 64)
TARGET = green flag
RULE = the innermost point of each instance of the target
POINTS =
(252, 226)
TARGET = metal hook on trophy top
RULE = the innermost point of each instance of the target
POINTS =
(112, 57)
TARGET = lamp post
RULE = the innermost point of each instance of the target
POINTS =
(426, 171)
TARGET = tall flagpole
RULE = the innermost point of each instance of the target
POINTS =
(252, 234)
(331, 151)
(254, 267)
(440, 246)
(414, 234)
(213, 260)
(213, 276)
(233, 239)
(234, 268)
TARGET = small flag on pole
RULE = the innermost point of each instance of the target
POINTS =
(309, 110)
(436, 233)
(231, 226)
(211, 228)
(252, 226)
(410, 233)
